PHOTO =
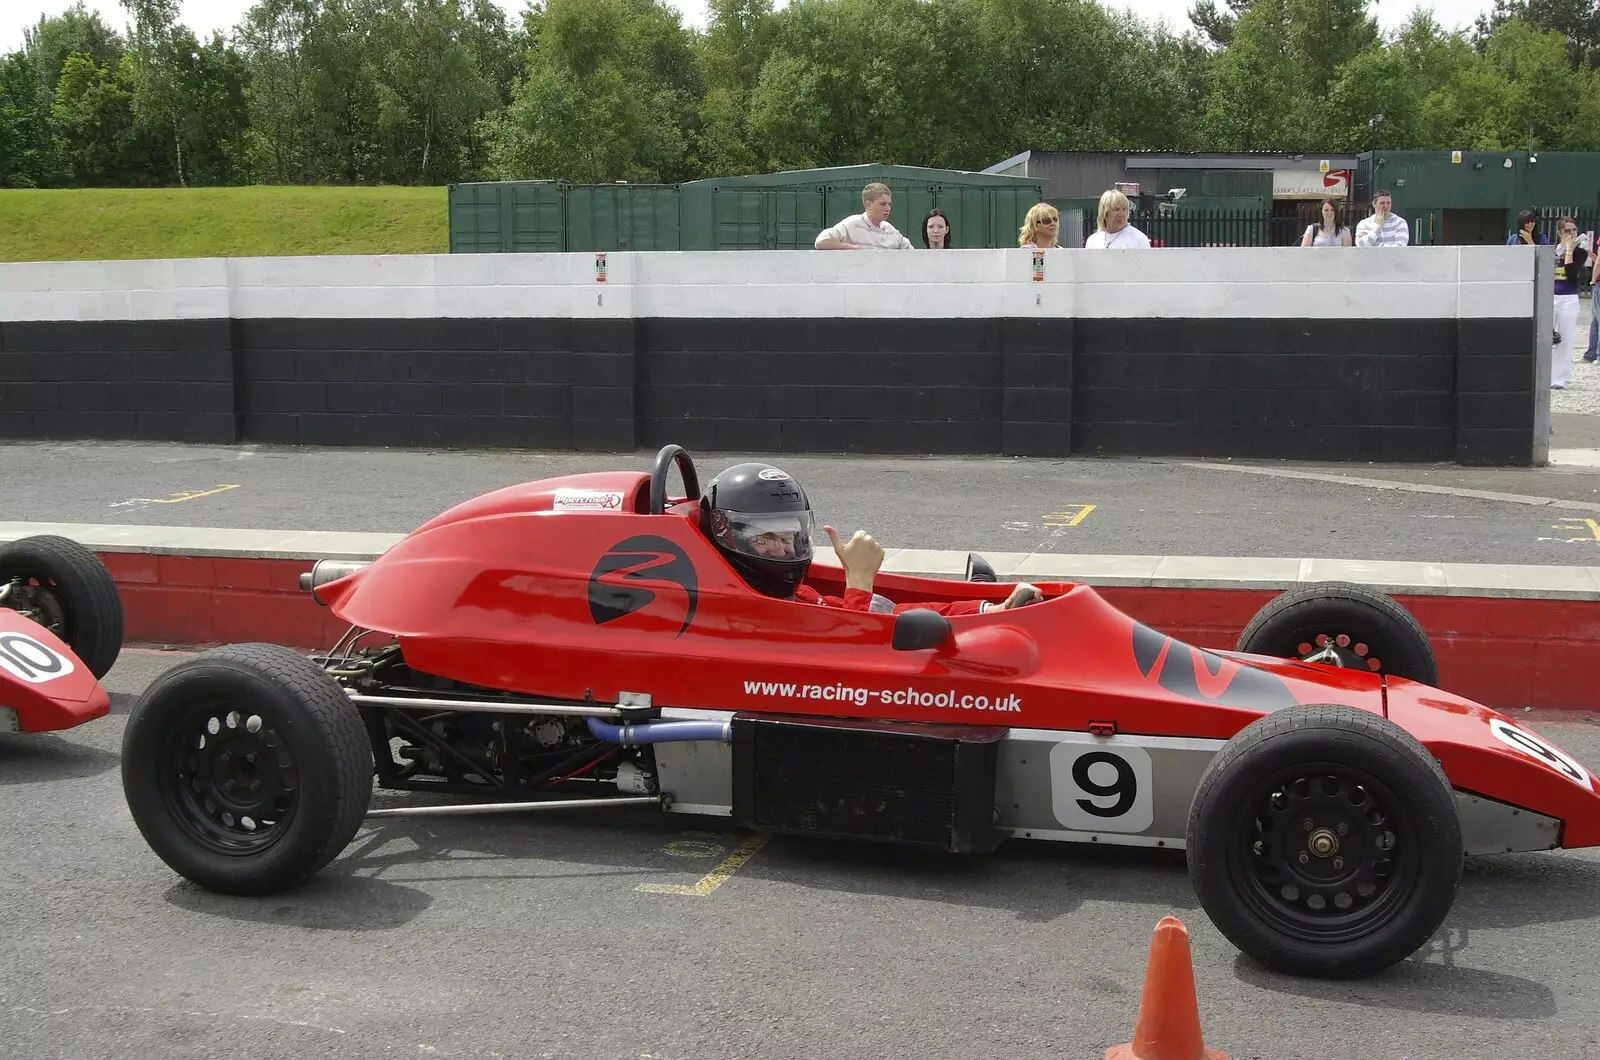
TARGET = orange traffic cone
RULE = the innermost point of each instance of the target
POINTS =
(1168, 1026)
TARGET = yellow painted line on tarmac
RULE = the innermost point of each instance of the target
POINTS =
(1587, 529)
(716, 877)
(1071, 515)
(178, 498)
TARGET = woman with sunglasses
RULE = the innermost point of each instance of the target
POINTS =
(1570, 259)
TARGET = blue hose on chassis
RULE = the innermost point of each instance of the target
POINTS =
(661, 731)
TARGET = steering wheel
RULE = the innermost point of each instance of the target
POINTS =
(669, 455)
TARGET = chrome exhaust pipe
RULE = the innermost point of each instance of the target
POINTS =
(514, 807)
(484, 706)
(328, 570)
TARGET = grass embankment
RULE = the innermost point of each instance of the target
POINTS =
(87, 224)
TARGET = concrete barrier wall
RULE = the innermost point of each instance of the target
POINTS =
(1426, 353)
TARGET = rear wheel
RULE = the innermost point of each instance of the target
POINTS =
(246, 768)
(1343, 625)
(64, 587)
(1323, 841)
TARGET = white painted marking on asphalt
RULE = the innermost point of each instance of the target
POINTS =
(1575, 457)
(1403, 487)
(120, 1010)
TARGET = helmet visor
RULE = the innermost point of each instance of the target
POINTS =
(780, 536)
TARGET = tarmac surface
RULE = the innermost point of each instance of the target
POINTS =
(1162, 507)
(528, 936)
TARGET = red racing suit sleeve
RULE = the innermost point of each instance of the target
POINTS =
(861, 600)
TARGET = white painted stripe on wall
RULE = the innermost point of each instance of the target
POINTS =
(1528, 581)
(1267, 282)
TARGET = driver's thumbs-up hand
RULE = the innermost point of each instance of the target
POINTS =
(860, 557)
(1022, 595)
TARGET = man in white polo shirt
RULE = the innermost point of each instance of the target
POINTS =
(868, 230)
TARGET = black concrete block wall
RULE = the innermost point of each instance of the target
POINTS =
(427, 382)
(1037, 374)
(147, 380)
(1494, 391)
(821, 385)
(1307, 389)
(1397, 389)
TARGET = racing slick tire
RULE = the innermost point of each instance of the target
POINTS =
(79, 601)
(1323, 841)
(246, 769)
(1363, 629)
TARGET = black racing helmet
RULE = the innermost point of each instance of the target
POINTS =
(760, 519)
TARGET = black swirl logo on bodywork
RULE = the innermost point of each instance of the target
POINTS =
(644, 572)
(1206, 677)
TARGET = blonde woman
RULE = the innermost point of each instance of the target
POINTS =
(1041, 229)
(1114, 232)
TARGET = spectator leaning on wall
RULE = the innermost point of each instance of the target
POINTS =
(1114, 232)
(868, 230)
(1383, 228)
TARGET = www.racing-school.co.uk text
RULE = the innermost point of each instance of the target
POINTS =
(896, 697)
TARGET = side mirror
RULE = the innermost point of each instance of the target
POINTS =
(920, 629)
(979, 570)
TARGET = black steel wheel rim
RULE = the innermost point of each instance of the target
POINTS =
(229, 779)
(1324, 853)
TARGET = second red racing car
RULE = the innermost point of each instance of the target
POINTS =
(585, 642)
(61, 626)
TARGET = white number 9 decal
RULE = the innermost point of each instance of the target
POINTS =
(1101, 787)
(1533, 747)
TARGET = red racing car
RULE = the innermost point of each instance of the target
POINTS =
(60, 632)
(586, 642)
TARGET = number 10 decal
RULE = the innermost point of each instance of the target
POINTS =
(1101, 786)
(24, 657)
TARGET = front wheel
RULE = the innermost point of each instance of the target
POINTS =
(1323, 841)
(64, 587)
(246, 769)
(1342, 625)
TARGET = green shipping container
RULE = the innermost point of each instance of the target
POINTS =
(786, 210)
(524, 215)
(768, 211)
(532, 216)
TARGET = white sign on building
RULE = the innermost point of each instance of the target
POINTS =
(1309, 184)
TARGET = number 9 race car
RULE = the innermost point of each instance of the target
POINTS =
(60, 632)
(580, 642)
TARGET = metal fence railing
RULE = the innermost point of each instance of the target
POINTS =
(1211, 228)
(1260, 228)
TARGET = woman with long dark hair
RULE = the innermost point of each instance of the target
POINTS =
(1330, 231)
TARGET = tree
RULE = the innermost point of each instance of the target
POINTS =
(1576, 20)
(609, 93)
(92, 122)
(272, 38)
(1257, 102)
(159, 100)
(24, 124)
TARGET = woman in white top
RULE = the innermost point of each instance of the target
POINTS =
(1331, 232)
(1115, 233)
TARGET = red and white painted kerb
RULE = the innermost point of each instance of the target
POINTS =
(1507, 636)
